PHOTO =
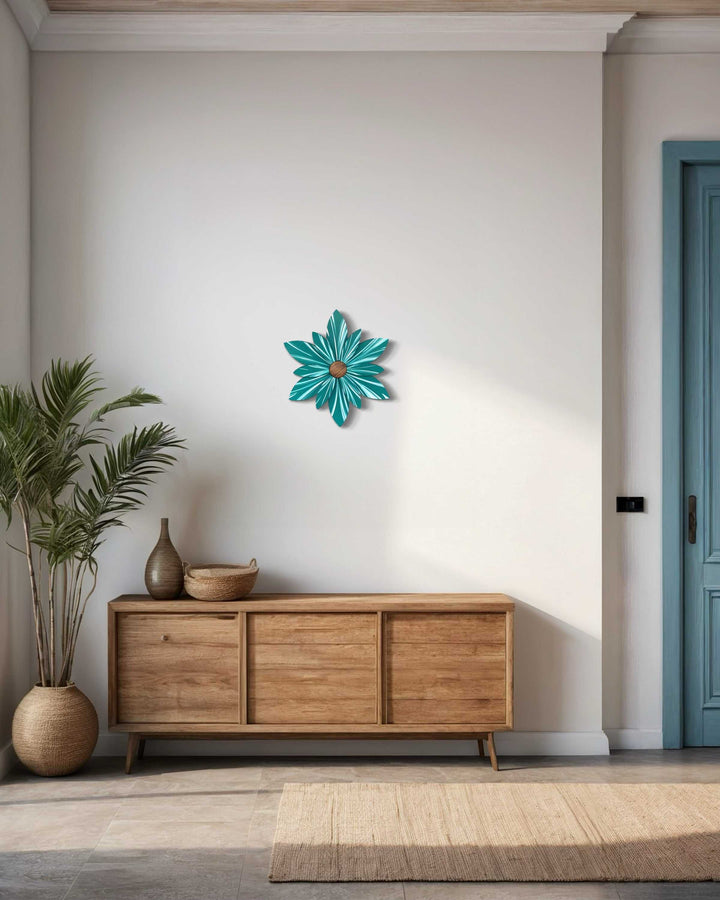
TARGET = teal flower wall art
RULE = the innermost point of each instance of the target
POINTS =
(338, 368)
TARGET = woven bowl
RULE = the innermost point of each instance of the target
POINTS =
(220, 582)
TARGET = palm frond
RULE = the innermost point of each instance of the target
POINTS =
(136, 397)
(22, 449)
(119, 479)
(62, 537)
(8, 484)
(95, 429)
(66, 391)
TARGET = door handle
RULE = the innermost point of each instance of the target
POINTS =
(692, 519)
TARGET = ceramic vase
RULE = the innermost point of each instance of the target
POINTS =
(164, 568)
(54, 730)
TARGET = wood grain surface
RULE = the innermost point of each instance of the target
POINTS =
(283, 665)
(310, 668)
(181, 668)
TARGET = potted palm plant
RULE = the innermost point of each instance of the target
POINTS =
(68, 483)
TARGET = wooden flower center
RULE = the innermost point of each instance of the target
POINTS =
(338, 369)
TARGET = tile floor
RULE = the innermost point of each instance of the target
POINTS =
(202, 828)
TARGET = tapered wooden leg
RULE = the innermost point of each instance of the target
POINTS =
(132, 748)
(141, 748)
(491, 748)
(481, 746)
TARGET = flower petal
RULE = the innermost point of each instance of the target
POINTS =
(307, 387)
(368, 386)
(351, 344)
(304, 352)
(351, 392)
(337, 334)
(321, 342)
(369, 350)
(364, 368)
(318, 369)
(325, 392)
(338, 403)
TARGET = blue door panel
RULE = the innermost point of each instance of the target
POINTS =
(701, 452)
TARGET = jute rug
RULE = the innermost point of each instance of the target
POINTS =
(498, 832)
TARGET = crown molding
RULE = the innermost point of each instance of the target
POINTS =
(618, 34)
(320, 31)
(668, 35)
(30, 15)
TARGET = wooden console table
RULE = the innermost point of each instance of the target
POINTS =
(295, 665)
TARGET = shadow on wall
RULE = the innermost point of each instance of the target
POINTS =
(548, 655)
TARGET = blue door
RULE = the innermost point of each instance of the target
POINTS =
(701, 453)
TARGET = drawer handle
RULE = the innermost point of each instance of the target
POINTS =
(164, 637)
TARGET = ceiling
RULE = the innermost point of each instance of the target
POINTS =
(642, 7)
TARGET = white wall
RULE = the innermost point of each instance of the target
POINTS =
(648, 99)
(192, 212)
(15, 644)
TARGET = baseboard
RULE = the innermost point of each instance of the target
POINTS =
(634, 738)
(514, 743)
(553, 743)
(8, 760)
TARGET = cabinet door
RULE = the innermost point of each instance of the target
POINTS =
(312, 668)
(176, 668)
(446, 668)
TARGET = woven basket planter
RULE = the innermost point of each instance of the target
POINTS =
(220, 582)
(54, 730)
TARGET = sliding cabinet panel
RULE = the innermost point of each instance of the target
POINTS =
(312, 668)
(446, 668)
(175, 668)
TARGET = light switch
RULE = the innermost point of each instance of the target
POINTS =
(630, 504)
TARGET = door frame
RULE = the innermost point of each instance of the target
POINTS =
(675, 156)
